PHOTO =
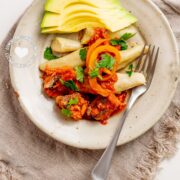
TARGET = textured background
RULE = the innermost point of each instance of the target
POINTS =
(27, 153)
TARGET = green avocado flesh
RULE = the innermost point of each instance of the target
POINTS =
(64, 16)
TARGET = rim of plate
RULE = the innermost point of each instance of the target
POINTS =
(73, 144)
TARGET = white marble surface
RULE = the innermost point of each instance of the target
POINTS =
(10, 10)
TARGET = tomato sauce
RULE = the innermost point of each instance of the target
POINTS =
(99, 107)
(100, 33)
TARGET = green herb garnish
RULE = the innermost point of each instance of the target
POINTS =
(79, 74)
(70, 84)
(115, 42)
(48, 54)
(83, 54)
(94, 73)
(73, 101)
(130, 70)
(106, 62)
(127, 36)
(66, 112)
(122, 41)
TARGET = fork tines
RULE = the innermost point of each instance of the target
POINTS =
(147, 61)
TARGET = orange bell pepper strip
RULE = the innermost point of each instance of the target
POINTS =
(93, 47)
(106, 71)
(91, 64)
(103, 49)
(97, 88)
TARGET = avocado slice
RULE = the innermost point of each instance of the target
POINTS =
(76, 11)
(75, 29)
(58, 6)
(52, 19)
(50, 22)
(72, 29)
(78, 15)
(54, 29)
(124, 22)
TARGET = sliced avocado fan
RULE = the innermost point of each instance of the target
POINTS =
(57, 6)
(65, 16)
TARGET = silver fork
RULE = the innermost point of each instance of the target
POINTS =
(146, 65)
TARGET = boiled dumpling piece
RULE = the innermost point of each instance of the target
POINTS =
(64, 45)
(125, 82)
(73, 59)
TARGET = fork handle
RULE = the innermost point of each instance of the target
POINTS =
(100, 171)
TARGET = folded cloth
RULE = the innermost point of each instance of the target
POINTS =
(28, 154)
(175, 4)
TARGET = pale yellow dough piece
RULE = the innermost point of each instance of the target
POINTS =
(73, 59)
(125, 82)
(63, 45)
(89, 32)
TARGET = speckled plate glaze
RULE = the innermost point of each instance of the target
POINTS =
(92, 135)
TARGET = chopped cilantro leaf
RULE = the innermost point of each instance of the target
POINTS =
(48, 54)
(79, 74)
(70, 84)
(94, 73)
(123, 45)
(73, 101)
(66, 112)
(83, 54)
(131, 67)
(106, 62)
(129, 73)
(114, 42)
(130, 70)
(122, 41)
(127, 36)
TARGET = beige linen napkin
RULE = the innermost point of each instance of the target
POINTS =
(174, 4)
(27, 153)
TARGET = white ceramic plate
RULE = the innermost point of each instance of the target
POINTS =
(92, 135)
